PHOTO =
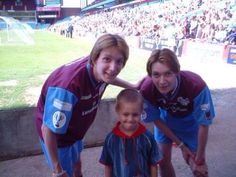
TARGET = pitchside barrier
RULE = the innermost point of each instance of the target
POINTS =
(148, 43)
(188, 48)
(209, 52)
(133, 41)
(18, 136)
(230, 54)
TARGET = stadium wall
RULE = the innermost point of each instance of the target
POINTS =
(19, 137)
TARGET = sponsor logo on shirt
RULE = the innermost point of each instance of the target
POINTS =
(61, 105)
(58, 119)
(90, 110)
(181, 105)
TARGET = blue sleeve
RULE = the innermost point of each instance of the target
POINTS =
(203, 107)
(106, 158)
(58, 109)
(156, 154)
(150, 113)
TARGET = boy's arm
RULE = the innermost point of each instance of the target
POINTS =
(125, 84)
(153, 171)
(204, 114)
(51, 145)
(108, 171)
(165, 129)
(202, 141)
(122, 83)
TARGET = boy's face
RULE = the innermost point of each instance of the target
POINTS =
(163, 78)
(108, 65)
(129, 115)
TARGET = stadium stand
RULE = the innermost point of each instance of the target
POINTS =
(152, 23)
(182, 25)
(22, 10)
(97, 5)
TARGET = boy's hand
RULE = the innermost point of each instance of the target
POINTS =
(187, 154)
(199, 170)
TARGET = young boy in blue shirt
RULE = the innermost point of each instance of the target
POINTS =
(130, 149)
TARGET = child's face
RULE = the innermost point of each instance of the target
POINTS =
(129, 114)
(108, 65)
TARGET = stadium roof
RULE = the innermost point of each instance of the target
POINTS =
(130, 3)
(98, 5)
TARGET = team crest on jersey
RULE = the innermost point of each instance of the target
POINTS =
(206, 109)
(183, 101)
(143, 115)
(58, 119)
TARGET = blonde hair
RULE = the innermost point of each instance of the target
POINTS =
(164, 56)
(106, 41)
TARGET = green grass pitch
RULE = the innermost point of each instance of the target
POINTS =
(27, 66)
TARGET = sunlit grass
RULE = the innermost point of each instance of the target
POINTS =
(26, 64)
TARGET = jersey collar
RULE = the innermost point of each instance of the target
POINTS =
(94, 82)
(116, 130)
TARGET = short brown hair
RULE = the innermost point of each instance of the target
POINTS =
(164, 56)
(106, 41)
(129, 95)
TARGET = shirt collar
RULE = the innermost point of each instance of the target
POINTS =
(94, 82)
(116, 130)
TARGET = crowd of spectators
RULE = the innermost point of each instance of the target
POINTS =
(205, 20)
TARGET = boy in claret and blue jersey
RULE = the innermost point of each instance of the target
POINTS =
(182, 110)
(67, 95)
(69, 100)
(180, 105)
